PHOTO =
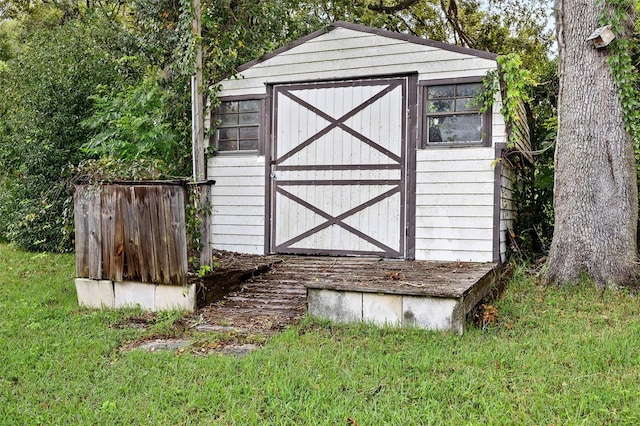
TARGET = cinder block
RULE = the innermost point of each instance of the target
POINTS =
(129, 294)
(382, 309)
(169, 297)
(95, 293)
(431, 313)
(339, 306)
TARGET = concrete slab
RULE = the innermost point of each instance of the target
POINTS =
(339, 306)
(129, 294)
(382, 309)
(432, 313)
(94, 293)
(164, 345)
(170, 297)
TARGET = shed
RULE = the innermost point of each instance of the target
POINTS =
(357, 141)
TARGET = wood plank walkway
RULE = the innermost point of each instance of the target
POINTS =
(277, 298)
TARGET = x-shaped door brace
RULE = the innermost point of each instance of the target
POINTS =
(333, 123)
(338, 220)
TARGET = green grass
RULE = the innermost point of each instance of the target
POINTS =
(556, 356)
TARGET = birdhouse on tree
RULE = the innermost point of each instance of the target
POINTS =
(602, 36)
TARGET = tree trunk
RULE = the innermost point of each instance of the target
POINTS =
(595, 193)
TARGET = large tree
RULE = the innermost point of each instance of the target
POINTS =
(595, 193)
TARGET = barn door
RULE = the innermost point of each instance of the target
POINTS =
(338, 168)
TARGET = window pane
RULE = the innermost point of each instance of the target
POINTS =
(466, 104)
(239, 127)
(250, 118)
(227, 146)
(250, 106)
(228, 107)
(228, 134)
(227, 119)
(249, 145)
(470, 89)
(248, 133)
(440, 92)
(440, 105)
(455, 129)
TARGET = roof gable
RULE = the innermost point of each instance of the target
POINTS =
(373, 31)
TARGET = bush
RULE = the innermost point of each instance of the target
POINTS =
(43, 98)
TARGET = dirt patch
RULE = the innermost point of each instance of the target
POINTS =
(187, 335)
(140, 322)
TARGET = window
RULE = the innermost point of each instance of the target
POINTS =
(452, 116)
(239, 126)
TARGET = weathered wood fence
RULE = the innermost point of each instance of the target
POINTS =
(133, 232)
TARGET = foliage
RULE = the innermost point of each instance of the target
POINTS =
(516, 80)
(63, 57)
(554, 356)
(131, 124)
(7, 42)
(533, 227)
(234, 33)
(512, 80)
(534, 194)
(501, 26)
(109, 169)
(44, 97)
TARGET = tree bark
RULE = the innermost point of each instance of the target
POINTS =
(595, 192)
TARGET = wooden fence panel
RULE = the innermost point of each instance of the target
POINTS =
(131, 232)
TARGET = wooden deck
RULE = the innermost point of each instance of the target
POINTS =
(280, 296)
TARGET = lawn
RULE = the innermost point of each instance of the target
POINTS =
(555, 356)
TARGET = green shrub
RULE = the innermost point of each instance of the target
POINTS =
(131, 124)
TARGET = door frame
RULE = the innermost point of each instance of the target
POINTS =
(409, 146)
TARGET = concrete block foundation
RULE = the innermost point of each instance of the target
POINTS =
(104, 294)
(427, 312)
(95, 293)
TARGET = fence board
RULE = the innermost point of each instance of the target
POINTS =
(132, 240)
(107, 223)
(82, 232)
(167, 201)
(117, 256)
(179, 246)
(161, 200)
(95, 234)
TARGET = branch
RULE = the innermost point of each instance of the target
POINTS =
(450, 11)
(401, 5)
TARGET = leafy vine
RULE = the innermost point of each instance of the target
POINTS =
(512, 80)
(621, 14)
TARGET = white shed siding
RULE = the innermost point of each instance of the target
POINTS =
(346, 53)
(507, 208)
(454, 204)
(237, 220)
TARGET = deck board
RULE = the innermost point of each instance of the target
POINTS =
(423, 278)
